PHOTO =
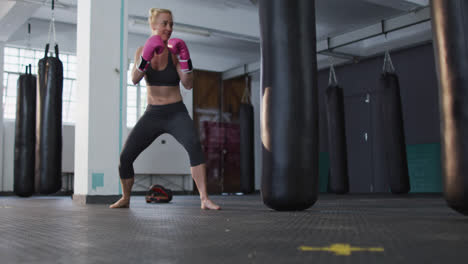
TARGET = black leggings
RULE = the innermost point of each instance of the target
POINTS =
(158, 119)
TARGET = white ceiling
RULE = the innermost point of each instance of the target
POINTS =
(231, 24)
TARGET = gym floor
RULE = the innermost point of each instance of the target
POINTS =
(337, 229)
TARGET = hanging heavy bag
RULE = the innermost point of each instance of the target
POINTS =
(389, 117)
(247, 164)
(49, 128)
(290, 108)
(398, 177)
(25, 134)
(338, 176)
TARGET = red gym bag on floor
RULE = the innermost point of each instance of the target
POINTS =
(158, 194)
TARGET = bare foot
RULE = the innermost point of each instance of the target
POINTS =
(122, 203)
(207, 204)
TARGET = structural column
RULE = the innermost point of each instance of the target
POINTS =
(2, 149)
(101, 107)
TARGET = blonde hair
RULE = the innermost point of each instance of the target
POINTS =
(154, 12)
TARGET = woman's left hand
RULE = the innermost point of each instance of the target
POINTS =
(179, 48)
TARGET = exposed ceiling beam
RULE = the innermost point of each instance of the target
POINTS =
(326, 47)
(5, 7)
(419, 2)
(196, 30)
(48, 3)
(386, 26)
(403, 5)
(340, 55)
(18, 13)
(241, 70)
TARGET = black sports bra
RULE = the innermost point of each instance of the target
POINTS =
(166, 77)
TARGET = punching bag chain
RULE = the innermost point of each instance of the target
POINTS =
(29, 35)
(52, 24)
(246, 95)
(388, 65)
(332, 77)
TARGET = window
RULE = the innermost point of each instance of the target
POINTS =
(15, 62)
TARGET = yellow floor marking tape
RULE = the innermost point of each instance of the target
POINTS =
(341, 249)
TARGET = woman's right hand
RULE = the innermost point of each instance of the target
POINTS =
(152, 45)
(137, 74)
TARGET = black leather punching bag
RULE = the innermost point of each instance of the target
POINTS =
(394, 135)
(290, 104)
(49, 128)
(450, 33)
(338, 178)
(247, 161)
(25, 134)
(389, 160)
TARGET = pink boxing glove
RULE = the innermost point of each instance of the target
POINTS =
(179, 48)
(153, 44)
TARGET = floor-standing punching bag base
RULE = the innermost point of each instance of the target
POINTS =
(460, 209)
(285, 204)
(292, 192)
(458, 206)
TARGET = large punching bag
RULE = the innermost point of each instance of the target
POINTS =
(398, 176)
(49, 128)
(338, 177)
(25, 134)
(247, 159)
(290, 105)
(389, 147)
(450, 26)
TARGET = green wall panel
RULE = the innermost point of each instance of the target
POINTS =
(324, 165)
(424, 167)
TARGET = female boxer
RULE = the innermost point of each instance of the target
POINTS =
(163, 62)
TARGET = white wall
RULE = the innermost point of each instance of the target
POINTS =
(1, 115)
(8, 154)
